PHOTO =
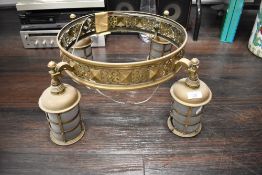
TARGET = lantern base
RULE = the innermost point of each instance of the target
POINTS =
(179, 133)
(70, 142)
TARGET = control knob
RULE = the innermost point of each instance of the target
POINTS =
(36, 42)
(52, 42)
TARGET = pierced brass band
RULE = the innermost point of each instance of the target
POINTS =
(123, 76)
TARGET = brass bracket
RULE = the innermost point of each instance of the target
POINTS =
(192, 68)
(55, 72)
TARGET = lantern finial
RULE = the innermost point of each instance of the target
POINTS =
(55, 72)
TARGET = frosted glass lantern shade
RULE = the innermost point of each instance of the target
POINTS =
(184, 110)
(65, 127)
(184, 120)
(82, 49)
(159, 48)
(83, 52)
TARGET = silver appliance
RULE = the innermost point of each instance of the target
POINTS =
(47, 39)
(41, 20)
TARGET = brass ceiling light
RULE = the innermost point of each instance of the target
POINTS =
(61, 101)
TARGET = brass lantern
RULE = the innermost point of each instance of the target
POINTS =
(190, 95)
(159, 47)
(60, 102)
(83, 49)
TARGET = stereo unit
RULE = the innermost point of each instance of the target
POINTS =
(50, 19)
(179, 10)
(40, 14)
(39, 38)
(41, 20)
(123, 5)
(47, 39)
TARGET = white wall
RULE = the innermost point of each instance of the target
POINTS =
(8, 2)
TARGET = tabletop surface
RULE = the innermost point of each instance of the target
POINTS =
(125, 139)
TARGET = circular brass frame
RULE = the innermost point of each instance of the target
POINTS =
(122, 76)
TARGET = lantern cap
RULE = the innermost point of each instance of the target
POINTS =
(59, 103)
(189, 96)
(83, 43)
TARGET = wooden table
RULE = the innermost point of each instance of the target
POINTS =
(134, 139)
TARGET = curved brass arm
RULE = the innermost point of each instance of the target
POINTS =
(55, 71)
(192, 68)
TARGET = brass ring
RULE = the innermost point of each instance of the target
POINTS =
(122, 76)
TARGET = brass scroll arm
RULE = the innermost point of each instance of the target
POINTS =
(192, 69)
(55, 72)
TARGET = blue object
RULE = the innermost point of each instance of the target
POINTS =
(232, 18)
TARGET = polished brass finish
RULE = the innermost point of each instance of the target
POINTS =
(61, 98)
(179, 91)
(51, 101)
(191, 84)
(55, 71)
(122, 76)
(101, 22)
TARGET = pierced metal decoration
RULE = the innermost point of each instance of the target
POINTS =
(122, 76)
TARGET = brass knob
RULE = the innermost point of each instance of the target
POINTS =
(195, 61)
(72, 16)
(166, 13)
(36, 43)
(51, 65)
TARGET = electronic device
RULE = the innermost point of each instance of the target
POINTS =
(50, 19)
(123, 5)
(39, 38)
(41, 20)
(179, 10)
(54, 14)
(47, 39)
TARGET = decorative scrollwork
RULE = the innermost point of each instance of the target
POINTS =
(126, 76)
